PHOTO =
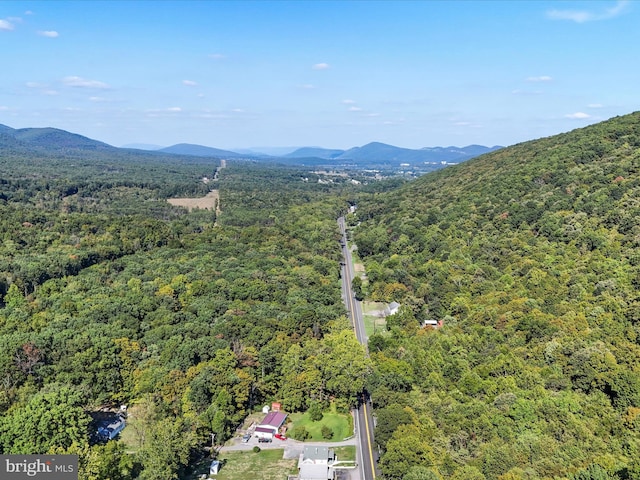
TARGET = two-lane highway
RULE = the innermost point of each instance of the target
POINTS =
(367, 453)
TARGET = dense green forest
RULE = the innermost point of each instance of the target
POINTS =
(529, 255)
(112, 296)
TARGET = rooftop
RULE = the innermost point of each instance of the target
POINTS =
(315, 453)
(274, 419)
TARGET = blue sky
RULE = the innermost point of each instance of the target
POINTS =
(332, 74)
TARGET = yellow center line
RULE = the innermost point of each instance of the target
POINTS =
(366, 423)
(355, 327)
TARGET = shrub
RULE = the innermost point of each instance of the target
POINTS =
(342, 405)
(315, 411)
(300, 433)
(327, 432)
(256, 449)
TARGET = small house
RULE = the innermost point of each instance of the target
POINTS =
(316, 463)
(109, 429)
(392, 308)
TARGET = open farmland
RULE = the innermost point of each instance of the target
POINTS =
(208, 202)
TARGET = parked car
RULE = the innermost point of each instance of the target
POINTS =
(280, 437)
(245, 438)
(264, 440)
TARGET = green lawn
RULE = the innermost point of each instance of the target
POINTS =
(373, 323)
(341, 424)
(266, 465)
(345, 453)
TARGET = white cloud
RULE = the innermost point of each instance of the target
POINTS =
(5, 25)
(43, 87)
(74, 81)
(582, 16)
(217, 56)
(163, 112)
(98, 99)
(355, 109)
(462, 124)
(578, 116)
(373, 115)
(595, 105)
(348, 102)
(189, 83)
(28, 12)
(542, 78)
(3, 108)
(238, 110)
(320, 66)
(49, 34)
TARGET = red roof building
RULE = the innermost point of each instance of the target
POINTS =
(274, 420)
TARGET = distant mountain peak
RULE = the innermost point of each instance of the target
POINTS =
(198, 150)
(52, 138)
(317, 152)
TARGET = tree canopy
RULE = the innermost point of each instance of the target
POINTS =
(528, 256)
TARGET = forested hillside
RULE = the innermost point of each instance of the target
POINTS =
(529, 255)
(110, 296)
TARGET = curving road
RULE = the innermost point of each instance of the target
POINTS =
(367, 453)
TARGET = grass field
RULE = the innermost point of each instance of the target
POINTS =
(373, 322)
(346, 453)
(265, 465)
(341, 424)
(130, 435)
(210, 201)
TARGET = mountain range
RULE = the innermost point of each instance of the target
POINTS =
(369, 155)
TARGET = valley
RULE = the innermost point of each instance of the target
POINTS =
(195, 318)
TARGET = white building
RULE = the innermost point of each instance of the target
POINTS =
(316, 463)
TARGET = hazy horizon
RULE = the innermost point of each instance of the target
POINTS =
(336, 74)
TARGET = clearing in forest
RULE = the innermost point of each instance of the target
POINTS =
(340, 424)
(266, 465)
(209, 202)
(374, 317)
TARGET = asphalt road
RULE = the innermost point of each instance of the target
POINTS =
(367, 453)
